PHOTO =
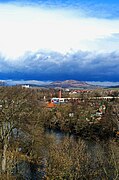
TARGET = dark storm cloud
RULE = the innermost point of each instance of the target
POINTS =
(55, 66)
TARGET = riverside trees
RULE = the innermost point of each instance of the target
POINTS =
(19, 117)
(87, 118)
(28, 152)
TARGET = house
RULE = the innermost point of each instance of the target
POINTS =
(25, 86)
(57, 100)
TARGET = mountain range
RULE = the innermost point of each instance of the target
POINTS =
(58, 84)
(55, 84)
(71, 84)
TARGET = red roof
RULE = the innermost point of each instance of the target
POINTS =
(50, 105)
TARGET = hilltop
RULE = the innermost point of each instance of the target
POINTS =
(71, 84)
(55, 84)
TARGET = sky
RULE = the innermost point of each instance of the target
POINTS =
(57, 40)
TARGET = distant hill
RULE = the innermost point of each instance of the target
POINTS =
(71, 84)
(115, 87)
(2, 83)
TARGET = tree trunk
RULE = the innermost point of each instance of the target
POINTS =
(4, 158)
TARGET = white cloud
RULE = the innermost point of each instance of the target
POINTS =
(31, 28)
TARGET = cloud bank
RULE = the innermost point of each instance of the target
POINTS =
(50, 66)
(77, 40)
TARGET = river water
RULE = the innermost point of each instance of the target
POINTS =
(98, 151)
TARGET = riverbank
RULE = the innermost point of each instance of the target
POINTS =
(27, 151)
(82, 120)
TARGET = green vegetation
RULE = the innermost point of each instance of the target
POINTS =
(27, 151)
